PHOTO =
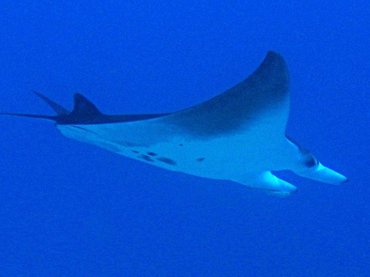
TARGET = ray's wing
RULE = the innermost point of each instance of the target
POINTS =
(262, 98)
(265, 90)
(262, 94)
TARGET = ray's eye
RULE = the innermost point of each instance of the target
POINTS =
(310, 161)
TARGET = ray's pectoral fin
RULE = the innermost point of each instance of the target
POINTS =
(269, 183)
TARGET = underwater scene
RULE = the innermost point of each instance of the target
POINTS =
(185, 138)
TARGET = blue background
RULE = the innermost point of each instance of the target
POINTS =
(69, 209)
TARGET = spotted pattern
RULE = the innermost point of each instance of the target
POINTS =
(166, 160)
(146, 158)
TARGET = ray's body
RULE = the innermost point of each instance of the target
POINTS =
(238, 135)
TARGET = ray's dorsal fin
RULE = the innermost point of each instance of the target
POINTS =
(83, 111)
(84, 107)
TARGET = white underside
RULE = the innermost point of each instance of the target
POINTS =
(247, 156)
(235, 157)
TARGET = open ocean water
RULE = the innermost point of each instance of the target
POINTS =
(70, 209)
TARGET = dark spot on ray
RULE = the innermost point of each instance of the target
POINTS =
(311, 162)
(152, 154)
(134, 151)
(146, 158)
(200, 159)
(166, 160)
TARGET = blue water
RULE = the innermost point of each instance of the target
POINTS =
(69, 209)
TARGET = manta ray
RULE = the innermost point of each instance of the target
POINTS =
(238, 135)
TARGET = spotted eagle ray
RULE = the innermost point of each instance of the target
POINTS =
(239, 135)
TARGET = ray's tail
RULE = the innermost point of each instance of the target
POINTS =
(58, 109)
(83, 110)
